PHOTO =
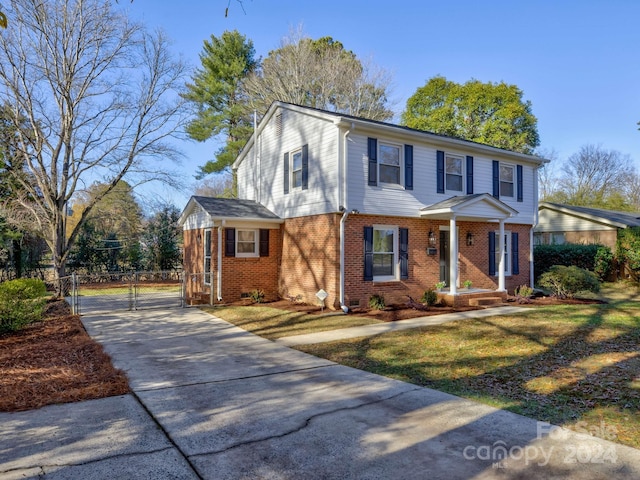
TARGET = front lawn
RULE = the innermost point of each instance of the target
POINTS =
(275, 323)
(571, 365)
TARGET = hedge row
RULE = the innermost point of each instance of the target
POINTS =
(595, 258)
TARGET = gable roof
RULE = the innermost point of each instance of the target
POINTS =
(349, 121)
(229, 209)
(600, 215)
(466, 207)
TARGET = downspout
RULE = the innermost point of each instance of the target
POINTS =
(535, 224)
(343, 220)
(219, 273)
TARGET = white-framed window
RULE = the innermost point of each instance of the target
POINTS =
(507, 252)
(207, 257)
(389, 163)
(454, 171)
(247, 243)
(507, 176)
(385, 252)
(538, 239)
(296, 169)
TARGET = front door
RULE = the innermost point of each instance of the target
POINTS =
(445, 257)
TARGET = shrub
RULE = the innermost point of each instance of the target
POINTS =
(376, 302)
(603, 262)
(257, 295)
(566, 281)
(21, 303)
(582, 256)
(628, 251)
(523, 294)
(429, 297)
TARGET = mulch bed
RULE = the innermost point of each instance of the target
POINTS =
(55, 361)
(392, 313)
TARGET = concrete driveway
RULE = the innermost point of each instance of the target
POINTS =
(213, 401)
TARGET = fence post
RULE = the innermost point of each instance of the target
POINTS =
(74, 294)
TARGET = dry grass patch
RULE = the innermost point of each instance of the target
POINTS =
(565, 364)
(273, 323)
(55, 361)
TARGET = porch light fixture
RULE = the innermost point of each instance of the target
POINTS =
(199, 238)
(470, 239)
(432, 239)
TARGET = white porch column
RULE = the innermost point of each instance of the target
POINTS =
(453, 257)
(501, 243)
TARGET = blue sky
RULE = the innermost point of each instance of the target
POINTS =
(576, 61)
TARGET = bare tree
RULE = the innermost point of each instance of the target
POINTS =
(547, 174)
(219, 185)
(320, 74)
(595, 176)
(100, 97)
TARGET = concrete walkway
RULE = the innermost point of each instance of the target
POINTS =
(379, 328)
(215, 402)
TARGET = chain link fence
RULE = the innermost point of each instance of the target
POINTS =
(108, 292)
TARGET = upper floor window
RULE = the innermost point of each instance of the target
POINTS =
(389, 163)
(296, 169)
(506, 180)
(453, 173)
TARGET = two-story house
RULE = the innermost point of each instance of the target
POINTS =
(358, 207)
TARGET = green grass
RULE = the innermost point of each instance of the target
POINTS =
(571, 365)
(124, 290)
(274, 323)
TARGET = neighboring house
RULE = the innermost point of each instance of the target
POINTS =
(558, 224)
(358, 207)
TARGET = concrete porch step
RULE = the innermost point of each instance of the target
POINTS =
(479, 302)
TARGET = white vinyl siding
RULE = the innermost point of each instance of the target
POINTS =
(552, 221)
(297, 129)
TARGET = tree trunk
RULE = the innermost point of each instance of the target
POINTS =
(17, 257)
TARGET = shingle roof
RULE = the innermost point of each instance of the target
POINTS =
(629, 219)
(234, 208)
(452, 202)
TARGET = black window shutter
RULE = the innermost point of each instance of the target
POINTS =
(229, 242)
(305, 167)
(372, 152)
(368, 253)
(519, 180)
(440, 170)
(492, 253)
(515, 267)
(496, 179)
(286, 173)
(264, 242)
(408, 167)
(403, 233)
(469, 175)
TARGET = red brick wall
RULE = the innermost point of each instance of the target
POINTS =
(311, 258)
(239, 275)
(424, 269)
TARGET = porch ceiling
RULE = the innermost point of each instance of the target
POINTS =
(476, 207)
